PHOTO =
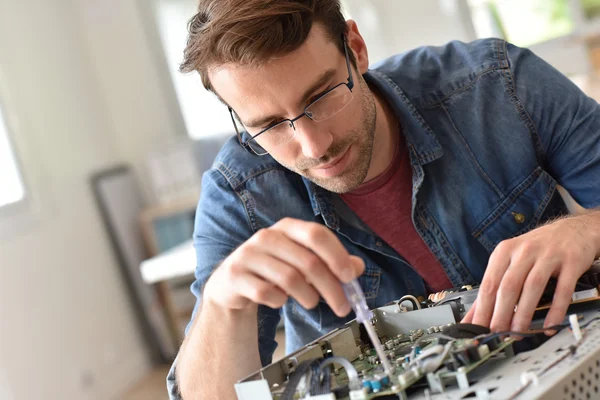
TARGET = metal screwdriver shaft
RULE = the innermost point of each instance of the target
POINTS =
(357, 300)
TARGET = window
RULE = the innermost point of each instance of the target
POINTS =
(203, 113)
(523, 23)
(591, 8)
(555, 30)
(11, 185)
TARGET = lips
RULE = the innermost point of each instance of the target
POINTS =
(332, 163)
(334, 167)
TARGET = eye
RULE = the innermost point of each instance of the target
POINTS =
(316, 96)
(271, 124)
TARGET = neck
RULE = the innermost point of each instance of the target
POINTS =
(387, 134)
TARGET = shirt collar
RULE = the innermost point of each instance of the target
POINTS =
(419, 136)
(420, 139)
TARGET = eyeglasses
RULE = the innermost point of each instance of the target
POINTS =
(282, 132)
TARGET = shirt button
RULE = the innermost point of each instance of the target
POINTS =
(379, 244)
(519, 218)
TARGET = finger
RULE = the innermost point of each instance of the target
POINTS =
(486, 298)
(468, 318)
(533, 288)
(359, 265)
(313, 269)
(508, 295)
(260, 291)
(561, 300)
(284, 276)
(322, 242)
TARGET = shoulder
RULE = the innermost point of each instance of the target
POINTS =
(237, 165)
(429, 74)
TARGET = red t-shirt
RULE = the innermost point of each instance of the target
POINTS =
(385, 205)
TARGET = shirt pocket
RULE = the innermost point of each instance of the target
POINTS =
(520, 211)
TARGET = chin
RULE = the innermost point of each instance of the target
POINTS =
(343, 183)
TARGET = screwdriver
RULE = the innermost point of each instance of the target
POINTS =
(357, 300)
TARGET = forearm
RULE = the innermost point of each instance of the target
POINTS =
(220, 349)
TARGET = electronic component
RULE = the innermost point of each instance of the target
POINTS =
(434, 357)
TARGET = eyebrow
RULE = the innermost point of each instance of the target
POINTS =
(323, 79)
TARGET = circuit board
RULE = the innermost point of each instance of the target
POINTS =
(428, 364)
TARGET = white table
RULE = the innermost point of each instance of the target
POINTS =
(180, 261)
(177, 262)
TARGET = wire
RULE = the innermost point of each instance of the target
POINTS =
(302, 369)
(588, 323)
(353, 380)
(434, 360)
(320, 383)
(572, 350)
(430, 336)
(412, 299)
(486, 337)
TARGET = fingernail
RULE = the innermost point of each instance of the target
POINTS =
(345, 309)
(549, 332)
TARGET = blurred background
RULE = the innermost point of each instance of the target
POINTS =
(102, 148)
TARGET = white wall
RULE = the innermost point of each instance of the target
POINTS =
(123, 45)
(83, 91)
(393, 26)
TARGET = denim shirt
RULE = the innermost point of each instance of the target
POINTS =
(491, 130)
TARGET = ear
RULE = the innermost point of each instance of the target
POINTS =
(357, 45)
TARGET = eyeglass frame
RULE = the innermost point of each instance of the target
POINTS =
(349, 84)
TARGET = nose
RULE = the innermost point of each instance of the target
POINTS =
(314, 140)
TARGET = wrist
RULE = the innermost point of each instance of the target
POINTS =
(216, 308)
(591, 225)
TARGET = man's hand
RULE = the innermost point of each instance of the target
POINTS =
(291, 258)
(520, 268)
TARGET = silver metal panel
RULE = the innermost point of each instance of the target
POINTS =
(390, 321)
(343, 344)
(574, 376)
(307, 353)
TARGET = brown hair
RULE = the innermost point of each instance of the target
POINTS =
(248, 32)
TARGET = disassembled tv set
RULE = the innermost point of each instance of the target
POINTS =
(433, 356)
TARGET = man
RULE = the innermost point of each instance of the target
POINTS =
(433, 169)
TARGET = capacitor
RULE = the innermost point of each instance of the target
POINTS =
(473, 352)
(389, 344)
(375, 385)
(462, 356)
(493, 343)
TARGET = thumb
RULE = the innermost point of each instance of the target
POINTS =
(468, 318)
(358, 265)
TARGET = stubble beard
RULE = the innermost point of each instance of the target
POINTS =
(362, 141)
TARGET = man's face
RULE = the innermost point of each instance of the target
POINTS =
(334, 153)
